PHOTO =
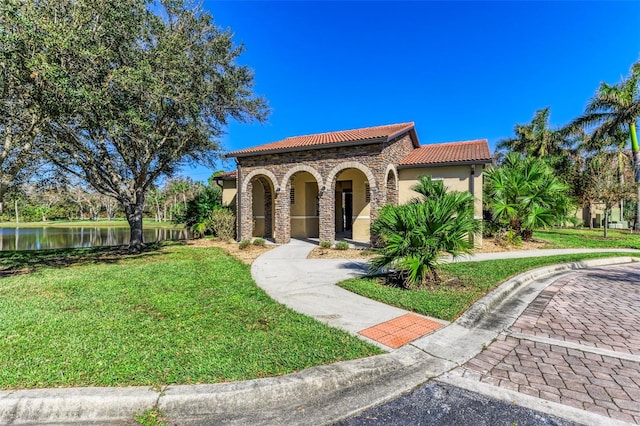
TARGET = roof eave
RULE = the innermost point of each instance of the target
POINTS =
(307, 147)
(447, 163)
(411, 130)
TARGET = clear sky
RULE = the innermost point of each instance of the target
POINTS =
(459, 70)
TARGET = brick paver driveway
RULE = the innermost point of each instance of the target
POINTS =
(577, 344)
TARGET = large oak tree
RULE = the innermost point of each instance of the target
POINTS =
(134, 90)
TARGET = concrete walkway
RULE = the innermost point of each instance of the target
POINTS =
(308, 285)
(322, 394)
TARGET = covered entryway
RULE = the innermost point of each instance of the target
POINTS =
(303, 197)
(262, 206)
(352, 205)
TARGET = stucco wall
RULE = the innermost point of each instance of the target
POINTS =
(229, 192)
(304, 210)
(456, 178)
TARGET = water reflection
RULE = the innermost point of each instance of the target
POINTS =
(59, 237)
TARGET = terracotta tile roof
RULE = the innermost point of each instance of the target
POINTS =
(232, 175)
(325, 140)
(452, 152)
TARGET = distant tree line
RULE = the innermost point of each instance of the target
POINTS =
(46, 201)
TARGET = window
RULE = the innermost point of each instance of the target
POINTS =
(292, 195)
(367, 193)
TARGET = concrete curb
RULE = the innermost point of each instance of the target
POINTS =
(318, 395)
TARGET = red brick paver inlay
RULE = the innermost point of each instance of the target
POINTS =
(400, 331)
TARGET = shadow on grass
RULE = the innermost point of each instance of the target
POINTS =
(27, 261)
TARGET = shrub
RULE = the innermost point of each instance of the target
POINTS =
(244, 244)
(508, 238)
(199, 229)
(325, 244)
(524, 194)
(223, 224)
(259, 242)
(416, 234)
(342, 245)
(199, 209)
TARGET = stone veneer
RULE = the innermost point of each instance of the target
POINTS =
(376, 160)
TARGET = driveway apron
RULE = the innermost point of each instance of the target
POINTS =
(577, 344)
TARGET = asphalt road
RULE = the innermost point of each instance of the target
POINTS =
(441, 404)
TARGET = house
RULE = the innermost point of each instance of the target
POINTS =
(331, 185)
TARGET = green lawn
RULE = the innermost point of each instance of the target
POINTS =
(178, 314)
(586, 238)
(476, 279)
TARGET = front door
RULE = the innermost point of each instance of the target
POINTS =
(348, 210)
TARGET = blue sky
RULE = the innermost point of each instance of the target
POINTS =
(459, 70)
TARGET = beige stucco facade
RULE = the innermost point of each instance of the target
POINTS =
(455, 178)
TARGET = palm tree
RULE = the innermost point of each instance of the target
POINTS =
(415, 235)
(613, 144)
(617, 107)
(536, 139)
(524, 194)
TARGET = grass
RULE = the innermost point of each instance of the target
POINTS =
(587, 238)
(476, 279)
(116, 223)
(174, 315)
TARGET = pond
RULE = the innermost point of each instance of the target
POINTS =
(78, 236)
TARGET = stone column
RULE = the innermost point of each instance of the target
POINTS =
(282, 217)
(328, 214)
(378, 199)
(246, 213)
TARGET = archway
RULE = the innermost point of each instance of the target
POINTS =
(262, 206)
(352, 205)
(302, 191)
(391, 186)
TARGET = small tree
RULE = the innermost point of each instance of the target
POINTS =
(603, 173)
(524, 194)
(415, 235)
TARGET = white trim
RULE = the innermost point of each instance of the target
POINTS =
(362, 217)
(305, 217)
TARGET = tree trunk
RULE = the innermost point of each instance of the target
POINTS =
(606, 221)
(133, 211)
(636, 224)
(15, 204)
(635, 148)
(134, 217)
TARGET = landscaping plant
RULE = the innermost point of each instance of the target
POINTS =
(342, 245)
(414, 236)
(524, 194)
